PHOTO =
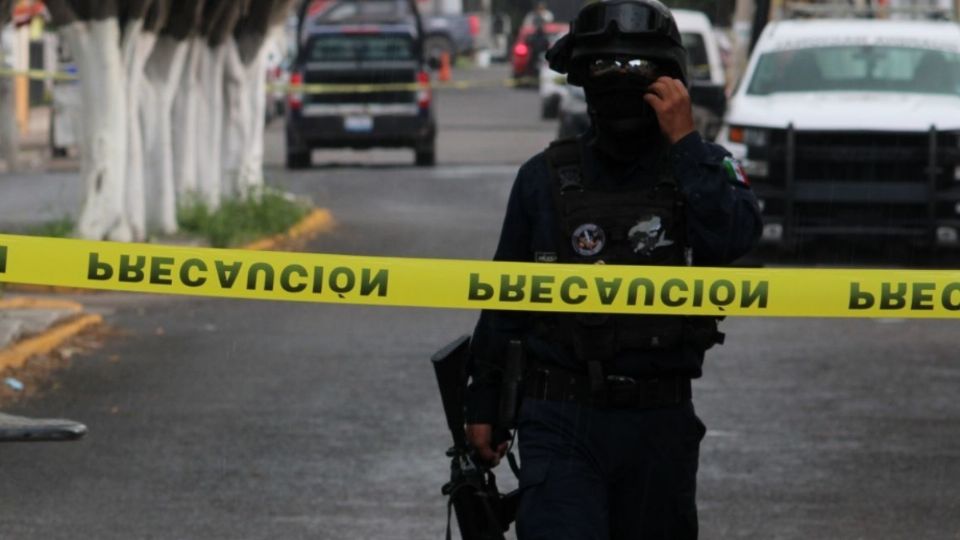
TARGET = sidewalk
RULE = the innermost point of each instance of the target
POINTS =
(35, 325)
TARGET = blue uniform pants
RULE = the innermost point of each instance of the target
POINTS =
(607, 474)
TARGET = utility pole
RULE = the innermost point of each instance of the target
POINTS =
(9, 131)
(742, 23)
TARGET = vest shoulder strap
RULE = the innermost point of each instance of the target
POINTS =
(565, 162)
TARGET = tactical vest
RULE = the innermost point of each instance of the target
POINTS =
(628, 225)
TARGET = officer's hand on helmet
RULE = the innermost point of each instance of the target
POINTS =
(480, 437)
(671, 101)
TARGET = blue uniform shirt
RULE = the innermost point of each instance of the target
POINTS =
(723, 224)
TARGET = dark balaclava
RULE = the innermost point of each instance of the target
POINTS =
(622, 120)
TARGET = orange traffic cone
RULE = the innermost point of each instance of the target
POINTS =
(445, 72)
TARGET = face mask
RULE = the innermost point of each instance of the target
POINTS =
(622, 120)
(621, 110)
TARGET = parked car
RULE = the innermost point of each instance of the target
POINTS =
(278, 60)
(552, 85)
(850, 129)
(705, 73)
(451, 33)
(65, 107)
(572, 113)
(526, 64)
(361, 52)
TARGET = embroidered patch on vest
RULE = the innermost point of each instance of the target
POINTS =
(588, 240)
(648, 235)
(735, 171)
(546, 257)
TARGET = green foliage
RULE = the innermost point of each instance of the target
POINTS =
(242, 219)
(58, 228)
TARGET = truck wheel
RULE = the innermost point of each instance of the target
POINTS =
(298, 160)
(426, 157)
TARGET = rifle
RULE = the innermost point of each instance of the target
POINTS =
(482, 512)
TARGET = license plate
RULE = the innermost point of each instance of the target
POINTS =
(358, 123)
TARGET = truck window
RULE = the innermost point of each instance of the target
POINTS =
(347, 11)
(857, 68)
(698, 64)
(355, 48)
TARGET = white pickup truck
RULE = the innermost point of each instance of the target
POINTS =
(851, 128)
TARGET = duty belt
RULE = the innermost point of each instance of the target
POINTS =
(616, 391)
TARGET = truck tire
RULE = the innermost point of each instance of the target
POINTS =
(298, 159)
(426, 156)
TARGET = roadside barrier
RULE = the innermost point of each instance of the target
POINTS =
(461, 284)
(313, 89)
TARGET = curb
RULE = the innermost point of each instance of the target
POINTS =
(17, 355)
(317, 221)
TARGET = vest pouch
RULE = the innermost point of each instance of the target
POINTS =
(649, 332)
(702, 332)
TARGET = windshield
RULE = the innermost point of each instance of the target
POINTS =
(341, 48)
(857, 68)
(352, 10)
(698, 63)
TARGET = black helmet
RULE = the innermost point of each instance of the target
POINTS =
(639, 28)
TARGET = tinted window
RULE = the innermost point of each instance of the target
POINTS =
(361, 47)
(860, 68)
(353, 10)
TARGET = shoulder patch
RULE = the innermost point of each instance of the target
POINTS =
(735, 172)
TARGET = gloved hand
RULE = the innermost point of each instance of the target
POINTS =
(671, 101)
(480, 437)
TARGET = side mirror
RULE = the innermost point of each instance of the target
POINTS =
(709, 96)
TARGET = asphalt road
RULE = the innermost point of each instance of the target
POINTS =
(216, 419)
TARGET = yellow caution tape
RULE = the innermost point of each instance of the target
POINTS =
(383, 281)
(38, 74)
(312, 89)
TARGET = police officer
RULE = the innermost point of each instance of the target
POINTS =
(608, 437)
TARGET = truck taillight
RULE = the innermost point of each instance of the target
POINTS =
(295, 92)
(425, 94)
(474, 25)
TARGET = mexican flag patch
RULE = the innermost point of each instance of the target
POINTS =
(735, 171)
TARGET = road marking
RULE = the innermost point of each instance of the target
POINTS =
(15, 356)
(472, 171)
(722, 434)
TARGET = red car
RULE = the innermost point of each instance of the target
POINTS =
(524, 66)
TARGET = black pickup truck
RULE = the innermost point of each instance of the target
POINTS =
(357, 54)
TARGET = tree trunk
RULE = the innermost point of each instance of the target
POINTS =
(245, 85)
(164, 72)
(237, 124)
(251, 172)
(210, 121)
(9, 135)
(136, 48)
(185, 121)
(104, 128)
